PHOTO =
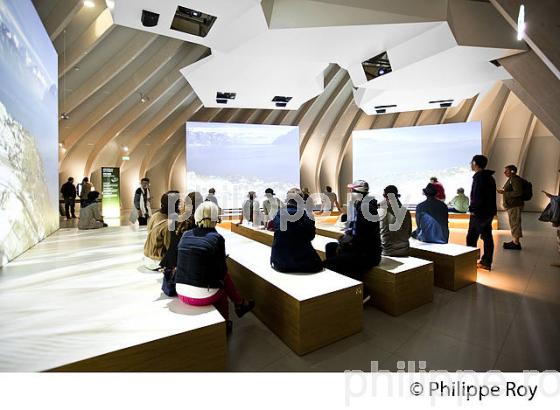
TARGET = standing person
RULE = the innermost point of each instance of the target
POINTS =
(142, 198)
(271, 205)
(439, 187)
(292, 250)
(90, 216)
(513, 203)
(68, 191)
(202, 277)
(360, 247)
(483, 209)
(460, 203)
(85, 189)
(333, 200)
(251, 209)
(394, 242)
(552, 214)
(432, 218)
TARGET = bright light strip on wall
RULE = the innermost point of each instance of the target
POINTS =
(110, 4)
(521, 23)
(89, 4)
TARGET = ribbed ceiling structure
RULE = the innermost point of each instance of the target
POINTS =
(124, 95)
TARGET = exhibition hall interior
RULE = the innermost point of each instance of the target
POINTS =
(279, 185)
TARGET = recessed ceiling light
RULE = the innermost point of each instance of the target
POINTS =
(521, 23)
(89, 4)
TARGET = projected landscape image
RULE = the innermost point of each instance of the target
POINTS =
(28, 129)
(408, 157)
(238, 158)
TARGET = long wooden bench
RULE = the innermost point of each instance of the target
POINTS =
(306, 311)
(100, 315)
(457, 220)
(454, 265)
(397, 285)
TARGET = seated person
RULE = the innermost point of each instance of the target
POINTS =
(333, 200)
(439, 187)
(202, 278)
(185, 222)
(292, 250)
(360, 247)
(159, 235)
(90, 217)
(460, 203)
(251, 209)
(431, 218)
(394, 239)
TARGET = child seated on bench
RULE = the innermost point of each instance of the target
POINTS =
(201, 276)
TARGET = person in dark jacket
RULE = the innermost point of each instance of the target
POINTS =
(432, 218)
(483, 209)
(360, 247)
(142, 198)
(292, 250)
(201, 276)
(68, 191)
(513, 203)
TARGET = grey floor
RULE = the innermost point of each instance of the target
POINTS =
(509, 320)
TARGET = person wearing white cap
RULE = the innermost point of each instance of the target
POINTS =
(360, 247)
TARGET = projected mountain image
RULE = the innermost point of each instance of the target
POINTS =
(408, 157)
(237, 158)
(28, 129)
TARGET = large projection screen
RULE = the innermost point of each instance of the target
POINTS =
(28, 129)
(409, 157)
(238, 158)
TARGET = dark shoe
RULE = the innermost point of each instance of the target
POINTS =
(483, 266)
(74, 217)
(229, 327)
(246, 307)
(512, 245)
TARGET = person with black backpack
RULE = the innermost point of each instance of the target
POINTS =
(515, 192)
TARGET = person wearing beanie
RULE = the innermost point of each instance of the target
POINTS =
(360, 247)
(201, 277)
(432, 218)
(394, 239)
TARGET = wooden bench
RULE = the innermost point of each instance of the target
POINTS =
(306, 311)
(454, 265)
(61, 312)
(397, 285)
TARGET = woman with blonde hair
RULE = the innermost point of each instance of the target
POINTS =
(201, 277)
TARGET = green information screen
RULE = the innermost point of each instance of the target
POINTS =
(111, 187)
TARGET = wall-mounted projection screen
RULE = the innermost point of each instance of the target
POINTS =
(408, 157)
(238, 158)
(28, 129)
